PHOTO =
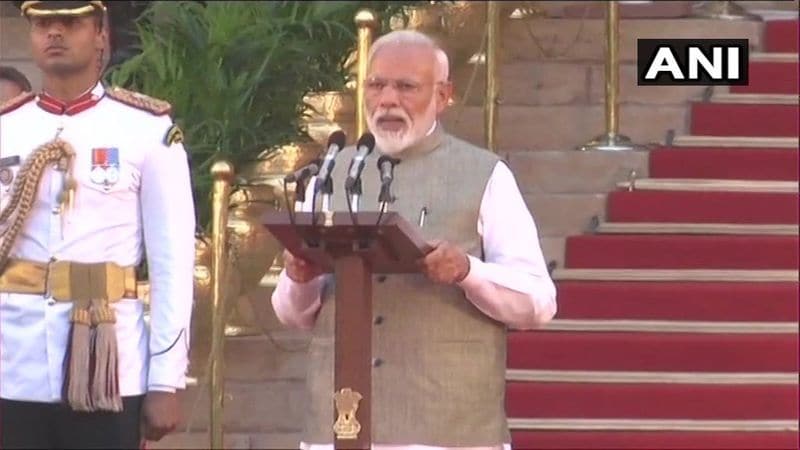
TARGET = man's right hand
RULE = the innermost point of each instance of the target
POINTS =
(299, 269)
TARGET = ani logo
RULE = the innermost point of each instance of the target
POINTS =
(105, 166)
(692, 62)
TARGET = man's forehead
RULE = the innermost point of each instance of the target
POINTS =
(400, 59)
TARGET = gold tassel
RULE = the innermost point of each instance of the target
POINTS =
(79, 373)
(105, 384)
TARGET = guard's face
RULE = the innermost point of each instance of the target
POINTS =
(65, 45)
(402, 96)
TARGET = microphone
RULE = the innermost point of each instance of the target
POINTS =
(335, 144)
(364, 147)
(303, 173)
(386, 167)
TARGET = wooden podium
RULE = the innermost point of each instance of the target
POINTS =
(353, 247)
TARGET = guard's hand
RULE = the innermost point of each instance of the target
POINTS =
(161, 414)
(299, 269)
(445, 264)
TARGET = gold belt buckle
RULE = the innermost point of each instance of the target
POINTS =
(58, 280)
(69, 281)
(113, 276)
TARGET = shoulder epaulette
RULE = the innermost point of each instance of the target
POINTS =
(139, 101)
(15, 102)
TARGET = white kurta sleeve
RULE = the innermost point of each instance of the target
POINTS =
(168, 221)
(512, 285)
(297, 304)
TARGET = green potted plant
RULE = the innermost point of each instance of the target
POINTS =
(237, 73)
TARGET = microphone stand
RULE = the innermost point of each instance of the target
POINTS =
(299, 194)
(384, 198)
(353, 195)
(327, 192)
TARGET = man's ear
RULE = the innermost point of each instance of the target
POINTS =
(444, 93)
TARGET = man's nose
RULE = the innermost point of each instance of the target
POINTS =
(389, 97)
(55, 29)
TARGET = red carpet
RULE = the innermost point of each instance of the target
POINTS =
(725, 163)
(770, 78)
(682, 252)
(733, 119)
(653, 440)
(702, 207)
(781, 36)
(651, 401)
(698, 301)
(730, 301)
(668, 352)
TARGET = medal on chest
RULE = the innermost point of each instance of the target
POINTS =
(105, 166)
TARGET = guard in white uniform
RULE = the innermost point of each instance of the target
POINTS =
(90, 177)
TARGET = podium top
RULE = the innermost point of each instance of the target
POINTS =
(393, 246)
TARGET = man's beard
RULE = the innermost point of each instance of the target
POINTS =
(393, 142)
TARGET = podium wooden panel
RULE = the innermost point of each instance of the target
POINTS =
(353, 248)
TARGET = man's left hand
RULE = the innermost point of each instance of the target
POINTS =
(160, 414)
(446, 263)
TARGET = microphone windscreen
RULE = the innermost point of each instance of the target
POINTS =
(367, 140)
(385, 158)
(337, 138)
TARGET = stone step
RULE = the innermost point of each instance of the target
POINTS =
(697, 228)
(534, 83)
(553, 249)
(523, 128)
(756, 99)
(263, 407)
(201, 440)
(774, 57)
(626, 377)
(560, 215)
(734, 142)
(633, 10)
(709, 185)
(699, 275)
(652, 424)
(671, 326)
(574, 172)
(576, 39)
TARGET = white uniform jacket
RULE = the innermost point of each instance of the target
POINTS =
(133, 191)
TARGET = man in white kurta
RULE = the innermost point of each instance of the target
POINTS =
(485, 274)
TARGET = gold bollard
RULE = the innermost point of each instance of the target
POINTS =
(492, 89)
(612, 140)
(367, 22)
(222, 173)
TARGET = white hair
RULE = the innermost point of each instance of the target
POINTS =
(413, 37)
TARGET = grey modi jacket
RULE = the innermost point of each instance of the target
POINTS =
(439, 372)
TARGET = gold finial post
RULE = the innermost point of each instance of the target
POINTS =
(367, 23)
(222, 173)
(612, 140)
(492, 88)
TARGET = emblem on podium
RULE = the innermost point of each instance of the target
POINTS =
(346, 425)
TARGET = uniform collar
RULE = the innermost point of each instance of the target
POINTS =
(82, 103)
